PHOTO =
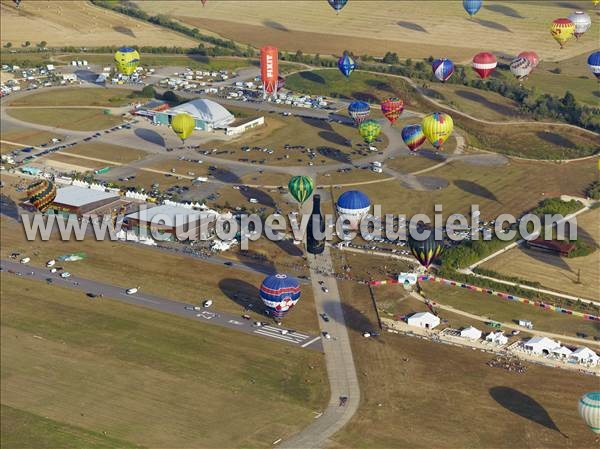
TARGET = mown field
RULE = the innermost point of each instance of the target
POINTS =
(80, 24)
(25, 136)
(427, 387)
(106, 151)
(103, 374)
(67, 118)
(74, 96)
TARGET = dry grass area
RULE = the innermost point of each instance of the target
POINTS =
(375, 27)
(25, 136)
(66, 163)
(443, 393)
(104, 374)
(76, 96)
(67, 118)
(554, 272)
(106, 151)
(79, 23)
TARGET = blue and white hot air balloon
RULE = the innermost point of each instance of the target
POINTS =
(589, 409)
(594, 63)
(337, 5)
(346, 65)
(353, 205)
(442, 69)
(359, 111)
(279, 293)
(472, 6)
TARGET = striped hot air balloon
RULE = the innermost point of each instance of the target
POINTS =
(392, 108)
(427, 250)
(594, 63)
(484, 64)
(127, 60)
(589, 409)
(183, 124)
(279, 293)
(442, 69)
(472, 6)
(413, 137)
(337, 5)
(41, 194)
(437, 127)
(562, 30)
(301, 188)
(359, 111)
(520, 67)
(369, 130)
(531, 56)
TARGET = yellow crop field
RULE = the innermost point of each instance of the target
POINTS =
(79, 23)
(410, 28)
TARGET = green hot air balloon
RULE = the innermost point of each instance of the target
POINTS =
(369, 130)
(183, 124)
(301, 187)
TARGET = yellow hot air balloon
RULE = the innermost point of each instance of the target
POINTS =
(183, 124)
(437, 127)
(126, 60)
(562, 30)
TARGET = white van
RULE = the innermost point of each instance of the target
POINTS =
(206, 304)
(50, 263)
(25, 260)
(131, 291)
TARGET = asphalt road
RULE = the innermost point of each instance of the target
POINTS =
(203, 315)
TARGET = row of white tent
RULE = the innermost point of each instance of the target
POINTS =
(546, 346)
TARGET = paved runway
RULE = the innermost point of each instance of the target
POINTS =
(191, 311)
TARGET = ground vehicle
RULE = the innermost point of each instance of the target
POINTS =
(284, 331)
(325, 289)
(326, 335)
(366, 334)
(246, 317)
(50, 263)
(131, 291)
(321, 282)
(228, 263)
(207, 303)
(65, 274)
(257, 323)
(325, 317)
(91, 295)
(25, 260)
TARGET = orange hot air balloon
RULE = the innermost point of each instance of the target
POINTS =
(392, 108)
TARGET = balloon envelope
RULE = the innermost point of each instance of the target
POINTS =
(442, 69)
(472, 6)
(520, 67)
(359, 111)
(369, 130)
(183, 124)
(562, 30)
(594, 63)
(337, 5)
(346, 65)
(427, 250)
(582, 22)
(126, 60)
(413, 136)
(41, 194)
(301, 188)
(437, 127)
(392, 108)
(352, 206)
(589, 409)
(531, 56)
(279, 293)
(484, 64)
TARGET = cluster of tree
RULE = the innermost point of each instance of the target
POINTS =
(593, 191)
(516, 280)
(470, 251)
(554, 206)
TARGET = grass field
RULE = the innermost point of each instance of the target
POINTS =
(25, 136)
(66, 163)
(442, 393)
(558, 273)
(76, 96)
(104, 374)
(68, 118)
(377, 26)
(80, 24)
(106, 151)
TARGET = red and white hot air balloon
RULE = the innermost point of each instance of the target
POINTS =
(531, 56)
(484, 64)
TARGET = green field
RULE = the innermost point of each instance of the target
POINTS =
(103, 374)
(191, 61)
(74, 96)
(68, 118)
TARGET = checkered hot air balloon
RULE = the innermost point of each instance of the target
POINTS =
(279, 293)
(41, 194)
(484, 64)
(589, 409)
(562, 30)
(392, 108)
(301, 188)
(359, 111)
(442, 69)
(369, 130)
(127, 60)
(437, 127)
(426, 250)
(413, 137)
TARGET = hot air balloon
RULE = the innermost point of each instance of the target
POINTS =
(472, 6)
(484, 64)
(427, 250)
(359, 111)
(279, 293)
(353, 205)
(413, 136)
(346, 65)
(337, 5)
(41, 194)
(582, 22)
(442, 69)
(369, 130)
(203, 2)
(392, 108)
(183, 124)
(127, 60)
(594, 63)
(301, 187)
(531, 56)
(437, 127)
(562, 30)
(520, 67)
(589, 409)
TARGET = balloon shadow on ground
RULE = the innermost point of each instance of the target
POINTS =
(335, 154)
(242, 293)
(555, 139)
(226, 176)
(411, 26)
(289, 247)
(493, 25)
(124, 30)
(312, 77)
(9, 208)
(524, 406)
(432, 155)
(257, 261)
(335, 138)
(365, 96)
(547, 258)
(86, 75)
(353, 318)
(316, 123)
(380, 85)
(505, 10)
(261, 196)
(476, 189)
(150, 136)
(483, 101)
(596, 93)
(275, 25)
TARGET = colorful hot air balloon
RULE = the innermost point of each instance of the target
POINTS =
(427, 250)
(413, 136)
(346, 65)
(562, 30)
(442, 69)
(589, 409)
(484, 64)
(392, 108)
(353, 205)
(437, 127)
(127, 60)
(279, 293)
(582, 22)
(472, 6)
(594, 63)
(41, 194)
(520, 67)
(337, 5)
(359, 111)
(531, 56)
(369, 130)
(183, 124)
(301, 188)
